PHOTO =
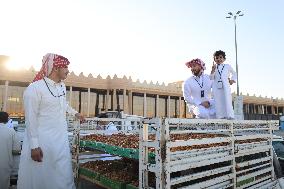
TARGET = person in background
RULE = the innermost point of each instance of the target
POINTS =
(46, 159)
(10, 124)
(223, 76)
(197, 91)
(107, 125)
(9, 146)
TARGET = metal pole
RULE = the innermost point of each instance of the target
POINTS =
(236, 48)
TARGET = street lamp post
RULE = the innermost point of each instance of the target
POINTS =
(238, 102)
(234, 16)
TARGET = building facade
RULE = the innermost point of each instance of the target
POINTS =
(92, 95)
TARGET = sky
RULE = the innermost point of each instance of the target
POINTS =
(149, 39)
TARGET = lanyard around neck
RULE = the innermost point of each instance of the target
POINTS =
(220, 73)
(200, 85)
(50, 90)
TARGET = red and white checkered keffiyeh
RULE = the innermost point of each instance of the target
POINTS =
(196, 61)
(50, 61)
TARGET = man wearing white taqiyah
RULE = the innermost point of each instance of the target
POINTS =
(46, 159)
(197, 91)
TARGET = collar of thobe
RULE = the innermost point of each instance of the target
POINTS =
(220, 71)
(52, 83)
(198, 77)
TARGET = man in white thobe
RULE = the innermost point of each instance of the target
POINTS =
(197, 91)
(223, 75)
(46, 159)
(8, 146)
(10, 124)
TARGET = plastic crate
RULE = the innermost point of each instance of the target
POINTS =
(130, 186)
(82, 143)
(88, 143)
(120, 151)
(112, 183)
(116, 150)
(152, 155)
(100, 146)
(246, 181)
(113, 149)
(131, 153)
(89, 173)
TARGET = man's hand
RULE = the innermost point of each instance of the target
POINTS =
(206, 104)
(80, 117)
(213, 68)
(37, 154)
(231, 82)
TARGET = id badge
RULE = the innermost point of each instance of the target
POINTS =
(202, 93)
(219, 85)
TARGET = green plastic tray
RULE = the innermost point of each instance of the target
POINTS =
(89, 173)
(130, 186)
(116, 150)
(131, 153)
(112, 183)
(246, 181)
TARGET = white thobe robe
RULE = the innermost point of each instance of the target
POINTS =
(46, 127)
(8, 143)
(110, 128)
(223, 97)
(10, 124)
(192, 88)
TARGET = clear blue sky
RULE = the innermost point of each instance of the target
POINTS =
(149, 39)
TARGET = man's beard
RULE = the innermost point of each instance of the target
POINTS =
(197, 73)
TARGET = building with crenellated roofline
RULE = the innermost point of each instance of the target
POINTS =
(92, 95)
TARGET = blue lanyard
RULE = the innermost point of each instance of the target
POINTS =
(220, 73)
(201, 86)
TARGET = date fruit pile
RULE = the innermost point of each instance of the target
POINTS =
(132, 140)
(118, 170)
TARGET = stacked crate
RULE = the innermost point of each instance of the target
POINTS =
(96, 137)
(253, 153)
(220, 154)
(189, 153)
(74, 127)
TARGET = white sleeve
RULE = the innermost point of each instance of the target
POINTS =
(70, 110)
(16, 141)
(187, 95)
(233, 73)
(31, 103)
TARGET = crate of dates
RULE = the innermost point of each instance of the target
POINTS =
(89, 173)
(114, 184)
(131, 153)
